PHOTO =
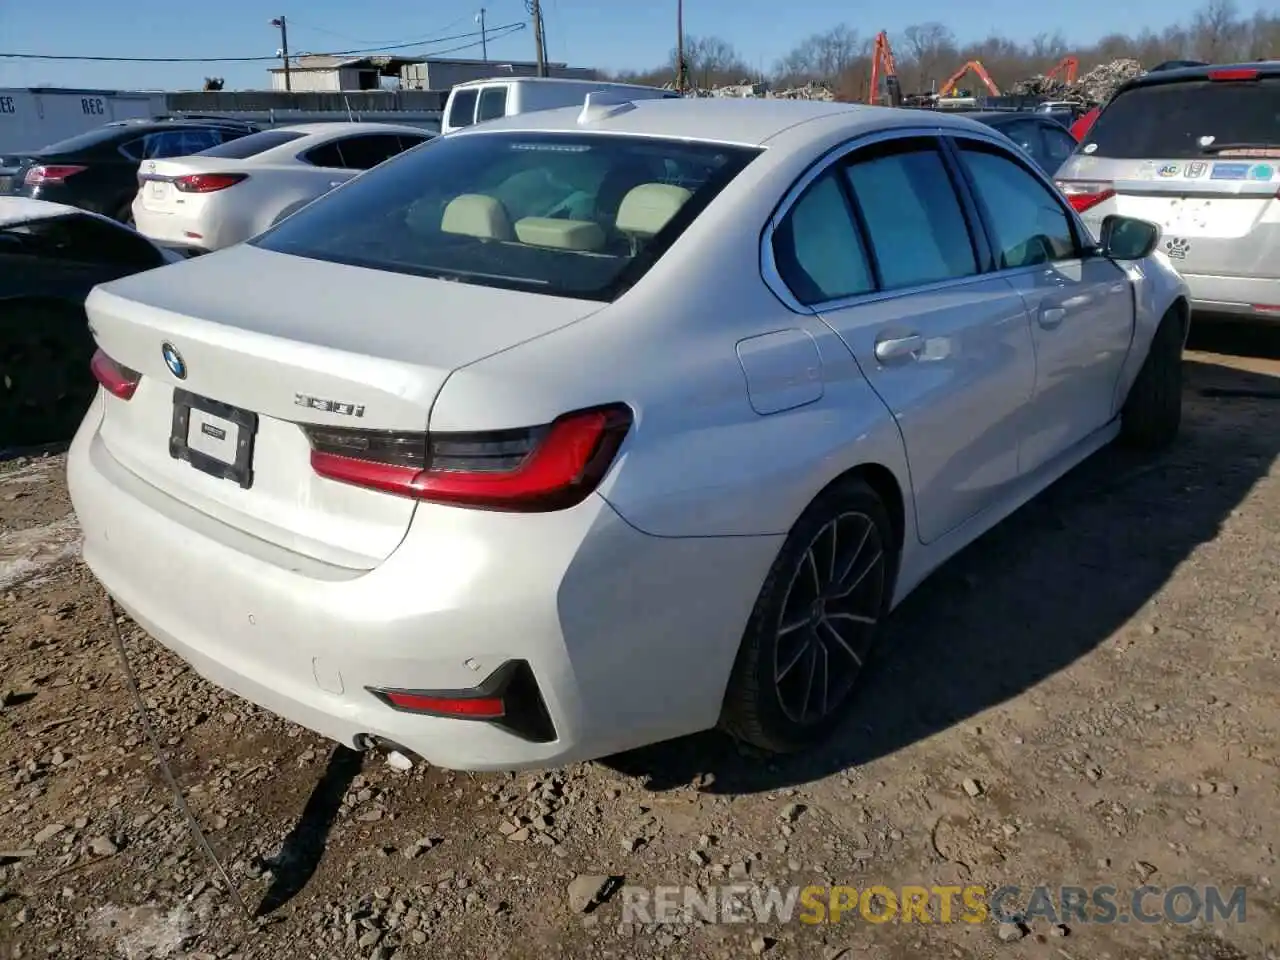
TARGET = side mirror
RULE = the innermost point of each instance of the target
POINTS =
(1126, 238)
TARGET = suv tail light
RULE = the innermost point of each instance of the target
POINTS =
(43, 174)
(532, 469)
(1237, 73)
(118, 379)
(208, 182)
(1086, 194)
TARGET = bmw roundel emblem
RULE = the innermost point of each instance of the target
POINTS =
(173, 360)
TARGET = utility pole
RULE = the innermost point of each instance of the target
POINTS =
(484, 40)
(682, 72)
(539, 35)
(284, 48)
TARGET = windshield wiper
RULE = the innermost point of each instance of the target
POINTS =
(1221, 147)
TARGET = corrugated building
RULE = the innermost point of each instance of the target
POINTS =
(325, 73)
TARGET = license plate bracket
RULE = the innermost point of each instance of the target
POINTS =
(239, 466)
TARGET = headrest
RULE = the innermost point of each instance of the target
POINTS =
(646, 209)
(582, 235)
(477, 215)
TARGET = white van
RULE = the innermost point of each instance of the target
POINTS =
(479, 100)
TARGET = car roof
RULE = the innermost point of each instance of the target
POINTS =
(1264, 68)
(25, 210)
(747, 121)
(990, 116)
(608, 84)
(330, 127)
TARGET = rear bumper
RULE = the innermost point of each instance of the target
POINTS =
(1247, 298)
(630, 638)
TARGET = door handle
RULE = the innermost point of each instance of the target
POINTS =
(899, 349)
(1051, 317)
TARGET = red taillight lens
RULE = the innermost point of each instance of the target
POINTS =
(118, 379)
(54, 173)
(474, 708)
(540, 468)
(1240, 73)
(208, 182)
(1084, 195)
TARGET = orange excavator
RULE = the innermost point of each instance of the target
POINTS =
(884, 69)
(1065, 70)
(948, 88)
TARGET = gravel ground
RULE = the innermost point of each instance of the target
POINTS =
(1086, 696)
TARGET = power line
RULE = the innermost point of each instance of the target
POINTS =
(347, 36)
(501, 31)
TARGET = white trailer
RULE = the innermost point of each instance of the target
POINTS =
(34, 117)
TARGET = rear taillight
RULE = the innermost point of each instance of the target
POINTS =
(534, 469)
(118, 379)
(208, 182)
(1085, 194)
(1236, 73)
(43, 174)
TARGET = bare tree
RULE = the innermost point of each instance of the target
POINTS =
(821, 57)
(1217, 30)
(713, 61)
(930, 51)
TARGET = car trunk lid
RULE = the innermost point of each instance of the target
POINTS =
(275, 340)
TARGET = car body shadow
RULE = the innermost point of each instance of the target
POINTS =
(300, 853)
(1039, 591)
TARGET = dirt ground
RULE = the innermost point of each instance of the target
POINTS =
(1086, 696)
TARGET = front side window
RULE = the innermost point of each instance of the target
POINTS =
(913, 216)
(1029, 225)
(1059, 145)
(462, 111)
(817, 249)
(578, 215)
(493, 103)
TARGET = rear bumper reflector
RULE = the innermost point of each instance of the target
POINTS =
(508, 698)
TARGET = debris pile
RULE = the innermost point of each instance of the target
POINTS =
(1093, 87)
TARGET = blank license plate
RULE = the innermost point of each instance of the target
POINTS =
(215, 438)
(157, 191)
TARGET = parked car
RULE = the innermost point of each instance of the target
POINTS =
(98, 170)
(51, 256)
(233, 191)
(1197, 151)
(585, 429)
(1041, 135)
(479, 100)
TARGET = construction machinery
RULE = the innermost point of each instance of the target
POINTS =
(884, 70)
(1065, 70)
(948, 88)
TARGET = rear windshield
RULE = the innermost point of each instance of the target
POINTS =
(574, 215)
(1191, 119)
(462, 108)
(255, 143)
(89, 139)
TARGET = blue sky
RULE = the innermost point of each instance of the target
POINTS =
(605, 33)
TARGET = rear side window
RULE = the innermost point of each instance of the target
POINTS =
(462, 110)
(1058, 145)
(1190, 120)
(250, 146)
(493, 103)
(576, 215)
(364, 152)
(913, 216)
(817, 249)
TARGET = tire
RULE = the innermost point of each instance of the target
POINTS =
(1152, 413)
(45, 383)
(762, 703)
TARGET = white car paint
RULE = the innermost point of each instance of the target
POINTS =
(276, 182)
(300, 592)
(478, 101)
(19, 210)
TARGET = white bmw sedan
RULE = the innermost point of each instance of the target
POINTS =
(585, 429)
